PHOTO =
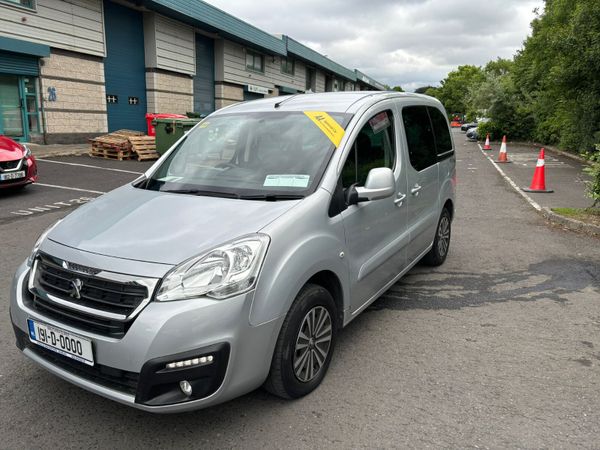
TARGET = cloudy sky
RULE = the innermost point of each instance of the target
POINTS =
(404, 42)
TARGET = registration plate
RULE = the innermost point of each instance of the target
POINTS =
(12, 175)
(61, 341)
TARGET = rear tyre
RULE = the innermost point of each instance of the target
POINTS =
(441, 243)
(305, 344)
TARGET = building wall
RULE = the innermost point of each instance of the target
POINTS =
(320, 81)
(169, 92)
(79, 111)
(76, 25)
(231, 68)
(169, 45)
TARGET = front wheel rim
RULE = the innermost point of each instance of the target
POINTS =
(443, 236)
(312, 344)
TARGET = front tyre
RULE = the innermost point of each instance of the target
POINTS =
(441, 243)
(305, 344)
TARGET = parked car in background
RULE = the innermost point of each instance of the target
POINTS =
(467, 126)
(473, 134)
(235, 260)
(17, 165)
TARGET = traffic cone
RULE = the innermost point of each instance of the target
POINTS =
(487, 145)
(538, 183)
(502, 156)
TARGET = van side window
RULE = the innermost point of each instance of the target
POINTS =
(419, 137)
(443, 142)
(374, 147)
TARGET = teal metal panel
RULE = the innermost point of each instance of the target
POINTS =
(204, 81)
(18, 64)
(308, 54)
(213, 19)
(124, 68)
(24, 47)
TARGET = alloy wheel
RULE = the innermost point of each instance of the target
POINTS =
(312, 344)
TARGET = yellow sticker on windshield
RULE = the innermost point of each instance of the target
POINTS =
(204, 125)
(327, 125)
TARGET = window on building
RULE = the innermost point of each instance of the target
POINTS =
(25, 3)
(419, 137)
(255, 61)
(373, 147)
(287, 66)
(443, 141)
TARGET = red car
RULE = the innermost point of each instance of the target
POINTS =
(17, 165)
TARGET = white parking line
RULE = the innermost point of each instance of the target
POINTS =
(527, 198)
(89, 166)
(49, 207)
(69, 188)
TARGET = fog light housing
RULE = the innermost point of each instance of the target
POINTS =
(186, 387)
(183, 377)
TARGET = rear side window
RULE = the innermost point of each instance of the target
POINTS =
(373, 147)
(443, 142)
(419, 137)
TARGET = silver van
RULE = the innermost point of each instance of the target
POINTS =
(238, 257)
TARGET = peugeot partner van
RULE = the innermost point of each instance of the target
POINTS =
(237, 258)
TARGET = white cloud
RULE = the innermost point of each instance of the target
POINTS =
(404, 42)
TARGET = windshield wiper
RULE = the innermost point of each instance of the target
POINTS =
(271, 197)
(202, 192)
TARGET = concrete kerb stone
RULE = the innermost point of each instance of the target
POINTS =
(547, 213)
(66, 150)
(571, 224)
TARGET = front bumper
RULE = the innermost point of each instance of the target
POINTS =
(128, 370)
(31, 176)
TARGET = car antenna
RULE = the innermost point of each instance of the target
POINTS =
(278, 104)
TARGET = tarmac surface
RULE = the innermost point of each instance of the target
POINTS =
(563, 175)
(497, 348)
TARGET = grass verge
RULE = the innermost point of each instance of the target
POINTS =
(587, 215)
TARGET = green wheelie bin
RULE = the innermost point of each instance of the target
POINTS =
(169, 130)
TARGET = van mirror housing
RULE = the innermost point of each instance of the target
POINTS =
(380, 184)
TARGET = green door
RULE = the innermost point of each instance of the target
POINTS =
(11, 108)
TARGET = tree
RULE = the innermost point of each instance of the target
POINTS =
(397, 89)
(454, 92)
(423, 89)
(557, 72)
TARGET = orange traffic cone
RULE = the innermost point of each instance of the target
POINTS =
(487, 145)
(502, 156)
(538, 183)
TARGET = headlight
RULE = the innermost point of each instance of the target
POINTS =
(27, 153)
(223, 272)
(39, 241)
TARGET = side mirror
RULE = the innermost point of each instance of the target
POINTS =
(380, 184)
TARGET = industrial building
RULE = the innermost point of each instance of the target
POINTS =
(73, 69)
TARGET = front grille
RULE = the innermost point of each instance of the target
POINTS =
(9, 165)
(100, 305)
(112, 328)
(101, 294)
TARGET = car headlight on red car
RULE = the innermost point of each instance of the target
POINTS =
(27, 153)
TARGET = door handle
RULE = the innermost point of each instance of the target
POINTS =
(400, 199)
(416, 189)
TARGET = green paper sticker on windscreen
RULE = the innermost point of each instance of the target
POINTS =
(300, 181)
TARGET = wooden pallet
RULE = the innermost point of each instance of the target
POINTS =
(108, 153)
(127, 133)
(144, 147)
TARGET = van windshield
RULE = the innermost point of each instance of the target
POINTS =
(256, 155)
